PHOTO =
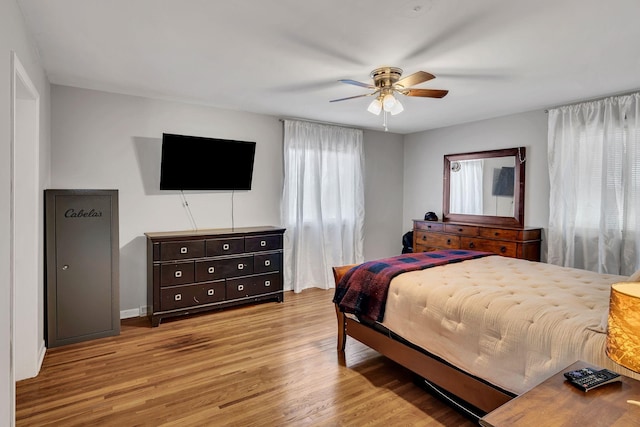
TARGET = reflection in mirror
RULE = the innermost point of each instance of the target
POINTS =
(483, 186)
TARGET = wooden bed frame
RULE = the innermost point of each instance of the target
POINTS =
(470, 389)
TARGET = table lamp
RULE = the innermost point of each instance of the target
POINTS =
(623, 331)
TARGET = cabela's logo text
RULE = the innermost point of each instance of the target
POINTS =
(72, 213)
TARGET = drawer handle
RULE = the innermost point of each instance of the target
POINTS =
(241, 287)
(267, 263)
(210, 292)
(503, 249)
(263, 243)
(225, 247)
(472, 245)
(183, 250)
(177, 297)
(428, 226)
(196, 300)
(211, 270)
(267, 282)
(424, 237)
(178, 273)
(460, 230)
(496, 234)
(448, 241)
(240, 266)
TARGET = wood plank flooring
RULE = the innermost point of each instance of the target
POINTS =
(270, 364)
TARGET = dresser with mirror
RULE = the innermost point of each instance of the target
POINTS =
(483, 207)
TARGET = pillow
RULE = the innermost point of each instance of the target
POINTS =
(635, 277)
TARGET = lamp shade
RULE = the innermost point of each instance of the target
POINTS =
(375, 107)
(623, 331)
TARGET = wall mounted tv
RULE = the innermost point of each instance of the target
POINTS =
(197, 163)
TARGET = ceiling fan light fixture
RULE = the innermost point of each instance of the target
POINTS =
(397, 108)
(388, 102)
(375, 107)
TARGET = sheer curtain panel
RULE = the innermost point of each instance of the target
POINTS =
(466, 187)
(594, 171)
(322, 202)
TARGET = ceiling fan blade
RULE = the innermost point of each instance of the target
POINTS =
(357, 83)
(415, 78)
(428, 93)
(353, 97)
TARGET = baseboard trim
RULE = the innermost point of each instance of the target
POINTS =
(127, 314)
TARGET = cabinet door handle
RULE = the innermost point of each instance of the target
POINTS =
(211, 270)
(225, 247)
(210, 292)
(178, 273)
(241, 287)
(263, 243)
(177, 297)
(183, 250)
(240, 266)
(267, 263)
(267, 283)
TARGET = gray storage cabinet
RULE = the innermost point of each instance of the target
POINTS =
(82, 265)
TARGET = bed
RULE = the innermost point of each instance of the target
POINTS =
(487, 328)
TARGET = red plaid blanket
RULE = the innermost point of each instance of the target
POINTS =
(363, 289)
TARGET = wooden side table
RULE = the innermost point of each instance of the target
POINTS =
(555, 402)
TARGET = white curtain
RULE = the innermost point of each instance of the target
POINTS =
(465, 196)
(594, 171)
(322, 203)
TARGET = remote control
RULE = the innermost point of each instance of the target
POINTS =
(588, 378)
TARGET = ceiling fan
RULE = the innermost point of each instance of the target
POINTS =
(387, 82)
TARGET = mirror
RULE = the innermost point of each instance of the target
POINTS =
(485, 187)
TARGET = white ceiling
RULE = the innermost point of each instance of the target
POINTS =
(285, 57)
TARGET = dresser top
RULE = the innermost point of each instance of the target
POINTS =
(215, 232)
(502, 227)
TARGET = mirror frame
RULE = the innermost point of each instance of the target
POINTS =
(517, 220)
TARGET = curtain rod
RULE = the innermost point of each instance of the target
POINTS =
(318, 122)
(593, 99)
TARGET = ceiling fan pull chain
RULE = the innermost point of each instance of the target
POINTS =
(384, 123)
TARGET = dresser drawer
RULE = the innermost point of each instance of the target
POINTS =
(264, 263)
(181, 250)
(230, 246)
(463, 230)
(263, 243)
(223, 267)
(498, 233)
(191, 295)
(243, 287)
(428, 225)
(176, 273)
(509, 249)
(441, 241)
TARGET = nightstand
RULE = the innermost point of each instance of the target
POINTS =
(555, 402)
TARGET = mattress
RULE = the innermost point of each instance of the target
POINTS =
(508, 321)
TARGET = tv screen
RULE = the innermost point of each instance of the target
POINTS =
(503, 181)
(197, 163)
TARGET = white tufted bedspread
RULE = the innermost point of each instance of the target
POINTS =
(509, 321)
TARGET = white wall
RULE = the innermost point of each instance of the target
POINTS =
(383, 194)
(424, 159)
(105, 140)
(14, 37)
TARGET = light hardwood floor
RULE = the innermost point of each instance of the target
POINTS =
(268, 364)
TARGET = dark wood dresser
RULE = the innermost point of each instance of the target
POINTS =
(194, 271)
(521, 243)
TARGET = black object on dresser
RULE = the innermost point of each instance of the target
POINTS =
(194, 271)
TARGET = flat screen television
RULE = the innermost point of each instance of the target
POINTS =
(197, 163)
